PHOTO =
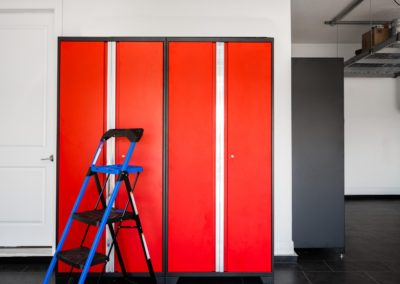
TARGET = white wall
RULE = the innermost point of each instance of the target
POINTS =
(372, 131)
(210, 18)
(372, 127)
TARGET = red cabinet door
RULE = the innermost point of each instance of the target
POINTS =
(139, 104)
(248, 244)
(82, 83)
(191, 162)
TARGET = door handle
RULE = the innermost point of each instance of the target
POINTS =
(49, 158)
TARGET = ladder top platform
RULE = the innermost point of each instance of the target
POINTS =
(115, 169)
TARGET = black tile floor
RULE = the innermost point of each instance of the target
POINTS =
(372, 254)
(372, 250)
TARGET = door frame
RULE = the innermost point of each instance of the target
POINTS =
(40, 6)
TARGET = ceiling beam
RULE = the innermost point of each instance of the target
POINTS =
(368, 23)
(344, 12)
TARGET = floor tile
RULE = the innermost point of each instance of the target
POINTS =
(13, 267)
(38, 267)
(304, 265)
(318, 254)
(360, 266)
(290, 277)
(393, 266)
(210, 280)
(286, 267)
(21, 277)
(339, 278)
(372, 255)
(252, 280)
(386, 277)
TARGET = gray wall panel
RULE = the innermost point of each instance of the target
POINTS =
(318, 152)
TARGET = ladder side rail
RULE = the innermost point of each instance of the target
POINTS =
(69, 222)
(105, 216)
(110, 226)
(128, 190)
(143, 242)
(127, 186)
(97, 181)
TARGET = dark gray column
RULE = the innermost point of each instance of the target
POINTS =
(318, 152)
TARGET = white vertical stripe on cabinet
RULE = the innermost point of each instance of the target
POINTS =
(219, 157)
(111, 79)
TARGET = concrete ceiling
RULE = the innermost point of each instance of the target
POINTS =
(308, 17)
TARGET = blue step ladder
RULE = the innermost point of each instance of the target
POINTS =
(83, 257)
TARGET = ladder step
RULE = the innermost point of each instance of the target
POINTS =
(77, 257)
(94, 217)
(115, 169)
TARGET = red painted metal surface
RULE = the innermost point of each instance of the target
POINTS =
(139, 104)
(191, 189)
(248, 245)
(81, 114)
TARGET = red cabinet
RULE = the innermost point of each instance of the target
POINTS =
(82, 95)
(191, 157)
(248, 204)
(205, 195)
(247, 101)
(82, 121)
(139, 104)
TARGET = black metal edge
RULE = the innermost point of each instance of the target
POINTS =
(92, 277)
(272, 156)
(61, 277)
(133, 134)
(372, 197)
(369, 75)
(341, 62)
(25, 259)
(220, 39)
(165, 161)
(162, 39)
(219, 274)
(58, 145)
(109, 274)
(107, 39)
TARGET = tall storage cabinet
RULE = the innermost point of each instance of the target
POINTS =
(82, 110)
(205, 195)
(139, 103)
(108, 85)
(191, 157)
(248, 157)
(242, 73)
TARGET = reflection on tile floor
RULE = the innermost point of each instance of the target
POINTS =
(372, 255)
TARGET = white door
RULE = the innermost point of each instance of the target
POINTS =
(27, 128)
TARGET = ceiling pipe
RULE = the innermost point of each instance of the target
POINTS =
(344, 12)
(359, 23)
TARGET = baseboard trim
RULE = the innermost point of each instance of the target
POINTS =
(25, 259)
(25, 252)
(47, 259)
(285, 258)
(373, 197)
